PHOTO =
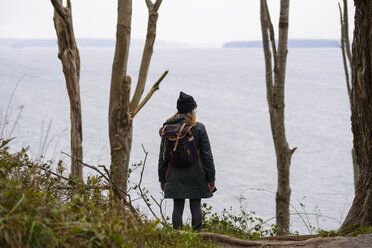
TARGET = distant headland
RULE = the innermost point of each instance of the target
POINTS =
(295, 43)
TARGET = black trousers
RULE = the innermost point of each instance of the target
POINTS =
(196, 217)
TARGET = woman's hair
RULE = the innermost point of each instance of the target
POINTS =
(190, 118)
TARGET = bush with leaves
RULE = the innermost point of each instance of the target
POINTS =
(243, 224)
(43, 208)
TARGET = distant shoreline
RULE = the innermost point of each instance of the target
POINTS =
(104, 43)
(293, 43)
(110, 43)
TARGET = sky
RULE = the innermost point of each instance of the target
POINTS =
(195, 22)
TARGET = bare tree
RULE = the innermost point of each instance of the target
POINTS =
(68, 53)
(121, 109)
(275, 80)
(360, 214)
(348, 64)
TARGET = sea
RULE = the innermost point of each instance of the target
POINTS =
(228, 85)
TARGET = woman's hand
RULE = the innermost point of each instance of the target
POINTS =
(211, 186)
(162, 187)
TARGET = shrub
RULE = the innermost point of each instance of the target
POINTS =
(40, 209)
(244, 224)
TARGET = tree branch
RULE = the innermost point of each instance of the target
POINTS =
(343, 42)
(59, 8)
(149, 4)
(346, 32)
(147, 53)
(271, 32)
(281, 59)
(154, 88)
(267, 54)
(293, 150)
(157, 5)
(69, 5)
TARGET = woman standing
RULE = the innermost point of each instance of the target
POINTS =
(191, 182)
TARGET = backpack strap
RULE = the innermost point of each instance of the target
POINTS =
(178, 136)
(162, 130)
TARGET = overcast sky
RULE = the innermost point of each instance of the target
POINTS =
(197, 22)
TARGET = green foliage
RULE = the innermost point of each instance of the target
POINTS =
(244, 224)
(331, 233)
(39, 209)
(361, 230)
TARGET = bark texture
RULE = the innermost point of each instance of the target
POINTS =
(348, 64)
(68, 53)
(121, 109)
(360, 213)
(120, 122)
(275, 81)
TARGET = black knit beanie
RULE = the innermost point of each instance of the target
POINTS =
(185, 103)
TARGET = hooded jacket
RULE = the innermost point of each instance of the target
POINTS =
(190, 182)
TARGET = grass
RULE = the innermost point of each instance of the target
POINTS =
(38, 209)
(361, 230)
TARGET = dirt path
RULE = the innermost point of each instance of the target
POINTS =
(307, 241)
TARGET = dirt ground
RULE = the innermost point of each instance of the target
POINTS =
(307, 241)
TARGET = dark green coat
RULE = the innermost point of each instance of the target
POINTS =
(191, 182)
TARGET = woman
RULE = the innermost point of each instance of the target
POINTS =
(193, 182)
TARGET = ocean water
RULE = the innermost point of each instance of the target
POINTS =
(229, 87)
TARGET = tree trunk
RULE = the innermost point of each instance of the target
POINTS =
(121, 109)
(68, 53)
(120, 122)
(360, 213)
(275, 98)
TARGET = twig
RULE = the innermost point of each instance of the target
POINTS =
(45, 141)
(297, 213)
(160, 205)
(10, 100)
(303, 220)
(89, 166)
(16, 121)
(102, 187)
(265, 190)
(57, 175)
(143, 196)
